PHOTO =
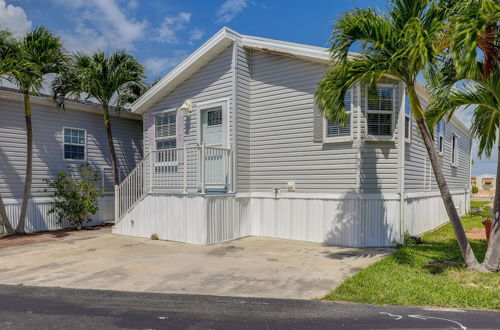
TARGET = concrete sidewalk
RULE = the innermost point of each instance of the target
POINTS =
(249, 267)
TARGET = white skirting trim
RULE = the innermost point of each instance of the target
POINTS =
(38, 218)
(337, 219)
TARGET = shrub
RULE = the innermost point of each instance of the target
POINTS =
(475, 189)
(155, 237)
(75, 199)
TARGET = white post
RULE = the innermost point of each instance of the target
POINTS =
(230, 170)
(117, 204)
(202, 170)
(185, 169)
(151, 157)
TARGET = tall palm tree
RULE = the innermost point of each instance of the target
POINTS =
(7, 66)
(469, 77)
(38, 54)
(116, 79)
(401, 44)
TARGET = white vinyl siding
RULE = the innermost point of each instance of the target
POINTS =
(333, 130)
(75, 143)
(380, 110)
(166, 131)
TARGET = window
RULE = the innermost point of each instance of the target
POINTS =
(454, 150)
(74, 143)
(335, 130)
(214, 117)
(440, 137)
(408, 125)
(166, 131)
(380, 109)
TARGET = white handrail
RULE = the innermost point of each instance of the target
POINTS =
(194, 168)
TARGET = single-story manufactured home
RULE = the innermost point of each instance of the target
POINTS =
(60, 139)
(235, 146)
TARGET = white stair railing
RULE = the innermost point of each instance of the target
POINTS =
(132, 189)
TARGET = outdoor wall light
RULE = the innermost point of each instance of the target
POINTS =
(186, 107)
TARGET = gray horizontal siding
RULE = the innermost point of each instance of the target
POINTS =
(282, 143)
(48, 160)
(243, 118)
(417, 164)
(213, 81)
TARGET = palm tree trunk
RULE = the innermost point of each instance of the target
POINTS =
(492, 258)
(465, 248)
(5, 218)
(107, 123)
(29, 164)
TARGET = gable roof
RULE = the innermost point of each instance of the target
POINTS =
(223, 39)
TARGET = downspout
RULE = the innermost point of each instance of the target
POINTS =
(401, 156)
(234, 68)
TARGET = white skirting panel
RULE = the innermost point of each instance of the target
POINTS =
(358, 222)
(425, 211)
(337, 219)
(38, 218)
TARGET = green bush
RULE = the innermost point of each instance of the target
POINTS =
(75, 199)
(475, 189)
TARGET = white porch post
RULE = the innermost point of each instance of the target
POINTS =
(151, 159)
(202, 170)
(185, 168)
(117, 204)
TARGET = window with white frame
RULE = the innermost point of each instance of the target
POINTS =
(166, 131)
(454, 150)
(380, 110)
(440, 136)
(75, 141)
(408, 125)
(334, 130)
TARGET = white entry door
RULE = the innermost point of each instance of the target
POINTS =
(212, 134)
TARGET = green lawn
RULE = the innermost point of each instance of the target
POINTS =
(429, 274)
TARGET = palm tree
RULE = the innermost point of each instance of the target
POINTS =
(39, 53)
(118, 79)
(7, 66)
(465, 80)
(401, 44)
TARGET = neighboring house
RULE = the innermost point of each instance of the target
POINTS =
(60, 138)
(485, 184)
(235, 146)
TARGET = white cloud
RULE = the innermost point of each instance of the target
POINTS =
(195, 35)
(167, 32)
(229, 10)
(14, 19)
(101, 24)
(157, 66)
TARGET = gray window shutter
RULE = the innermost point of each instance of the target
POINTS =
(317, 125)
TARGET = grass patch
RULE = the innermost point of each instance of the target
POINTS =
(429, 274)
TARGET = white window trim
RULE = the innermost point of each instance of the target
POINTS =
(381, 138)
(454, 160)
(85, 145)
(161, 112)
(410, 116)
(205, 105)
(439, 137)
(345, 138)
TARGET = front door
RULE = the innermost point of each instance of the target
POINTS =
(212, 134)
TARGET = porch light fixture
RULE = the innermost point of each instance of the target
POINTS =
(186, 108)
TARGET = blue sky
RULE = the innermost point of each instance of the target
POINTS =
(160, 33)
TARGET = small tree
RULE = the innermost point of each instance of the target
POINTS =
(75, 199)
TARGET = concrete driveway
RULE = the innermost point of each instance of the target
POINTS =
(249, 267)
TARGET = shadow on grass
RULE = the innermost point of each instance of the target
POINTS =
(436, 257)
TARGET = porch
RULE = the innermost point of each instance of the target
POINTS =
(190, 170)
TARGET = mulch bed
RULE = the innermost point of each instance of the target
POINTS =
(476, 233)
(46, 236)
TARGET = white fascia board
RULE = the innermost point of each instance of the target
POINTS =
(68, 105)
(223, 38)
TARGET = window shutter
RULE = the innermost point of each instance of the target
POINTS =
(317, 125)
